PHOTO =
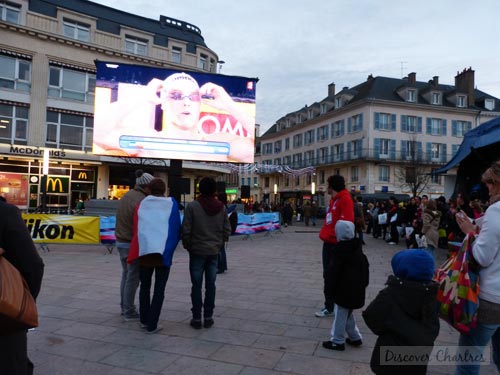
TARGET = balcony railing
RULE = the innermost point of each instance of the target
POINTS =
(372, 155)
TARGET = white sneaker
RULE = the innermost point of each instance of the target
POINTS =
(322, 313)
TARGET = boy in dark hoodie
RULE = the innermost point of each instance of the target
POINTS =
(205, 228)
(405, 313)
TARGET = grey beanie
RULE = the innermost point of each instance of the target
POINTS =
(142, 178)
(344, 230)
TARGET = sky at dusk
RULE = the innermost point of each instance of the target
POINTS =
(297, 47)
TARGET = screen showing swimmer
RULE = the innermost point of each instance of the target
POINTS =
(162, 113)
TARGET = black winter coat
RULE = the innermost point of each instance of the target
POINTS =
(405, 313)
(349, 274)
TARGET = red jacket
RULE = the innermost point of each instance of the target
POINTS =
(340, 208)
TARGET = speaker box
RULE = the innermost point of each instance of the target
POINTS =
(221, 187)
(245, 191)
(175, 168)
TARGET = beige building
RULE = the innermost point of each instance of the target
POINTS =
(47, 82)
(383, 135)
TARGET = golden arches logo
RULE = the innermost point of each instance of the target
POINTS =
(54, 182)
(82, 175)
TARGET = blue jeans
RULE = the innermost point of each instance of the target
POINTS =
(478, 338)
(327, 256)
(150, 309)
(129, 282)
(200, 265)
(344, 322)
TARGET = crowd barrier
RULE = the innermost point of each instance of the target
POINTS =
(48, 229)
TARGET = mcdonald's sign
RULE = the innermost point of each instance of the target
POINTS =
(57, 184)
(82, 175)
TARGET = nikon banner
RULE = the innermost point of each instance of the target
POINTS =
(63, 228)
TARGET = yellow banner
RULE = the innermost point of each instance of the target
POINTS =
(63, 228)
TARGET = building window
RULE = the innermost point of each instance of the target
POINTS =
(489, 104)
(297, 160)
(76, 30)
(409, 150)
(383, 121)
(385, 145)
(411, 124)
(461, 101)
(309, 137)
(70, 131)
(323, 133)
(277, 147)
(287, 160)
(435, 178)
(249, 179)
(176, 55)
(355, 123)
(459, 128)
(267, 148)
(287, 180)
(13, 124)
(411, 96)
(309, 157)
(136, 46)
(354, 174)
(434, 126)
(338, 151)
(9, 12)
(355, 148)
(297, 180)
(287, 144)
(202, 62)
(436, 151)
(322, 177)
(322, 155)
(242, 181)
(338, 102)
(297, 140)
(255, 182)
(338, 129)
(436, 98)
(71, 84)
(15, 73)
(383, 173)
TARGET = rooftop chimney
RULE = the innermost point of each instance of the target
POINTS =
(331, 89)
(412, 78)
(464, 82)
(435, 81)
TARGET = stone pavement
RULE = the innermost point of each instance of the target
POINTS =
(264, 315)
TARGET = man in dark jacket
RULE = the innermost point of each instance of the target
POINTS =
(21, 252)
(205, 228)
(405, 314)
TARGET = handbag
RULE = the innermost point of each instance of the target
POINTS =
(382, 218)
(17, 305)
(458, 293)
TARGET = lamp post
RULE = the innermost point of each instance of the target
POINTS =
(220, 62)
(45, 173)
(313, 191)
(275, 192)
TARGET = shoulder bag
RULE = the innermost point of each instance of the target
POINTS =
(17, 305)
(458, 294)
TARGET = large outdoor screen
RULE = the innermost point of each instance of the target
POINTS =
(170, 114)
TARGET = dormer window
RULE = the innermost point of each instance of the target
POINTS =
(411, 96)
(461, 101)
(436, 98)
(76, 30)
(489, 104)
(323, 108)
(338, 102)
(9, 12)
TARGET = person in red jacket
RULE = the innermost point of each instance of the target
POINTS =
(341, 207)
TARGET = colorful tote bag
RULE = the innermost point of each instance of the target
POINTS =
(458, 293)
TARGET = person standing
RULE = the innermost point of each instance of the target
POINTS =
(341, 207)
(430, 225)
(307, 211)
(21, 252)
(486, 251)
(205, 228)
(124, 231)
(157, 230)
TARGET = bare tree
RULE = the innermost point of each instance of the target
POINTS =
(412, 174)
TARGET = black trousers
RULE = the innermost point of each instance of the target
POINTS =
(14, 354)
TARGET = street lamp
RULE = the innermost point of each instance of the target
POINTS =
(220, 62)
(45, 173)
(275, 192)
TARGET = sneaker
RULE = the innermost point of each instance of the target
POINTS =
(131, 317)
(354, 342)
(156, 330)
(143, 326)
(208, 322)
(195, 323)
(392, 243)
(323, 313)
(332, 346)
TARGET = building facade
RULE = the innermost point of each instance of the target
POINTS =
(383, 135)
(47, 82)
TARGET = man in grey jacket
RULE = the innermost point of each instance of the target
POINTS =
(124, 233)
(205, 228)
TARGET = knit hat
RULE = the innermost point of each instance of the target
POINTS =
(142, 178)
(413, 264)
(344, 230)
